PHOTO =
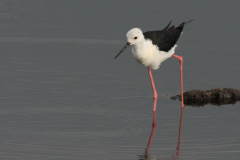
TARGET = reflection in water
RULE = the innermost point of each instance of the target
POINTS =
(154, 125)
(179, 135)
(147, 155)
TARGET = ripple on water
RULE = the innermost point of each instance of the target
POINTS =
(97, 120)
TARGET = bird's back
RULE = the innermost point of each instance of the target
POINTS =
(165, 39)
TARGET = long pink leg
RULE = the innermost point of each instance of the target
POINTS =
(181, 68)
(154, 89)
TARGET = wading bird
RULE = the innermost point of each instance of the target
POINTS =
(151, 48)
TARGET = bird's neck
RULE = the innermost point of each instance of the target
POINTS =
(143, 46)
(140, 50)
(139, 45)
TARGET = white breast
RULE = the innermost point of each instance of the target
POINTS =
(149, 55)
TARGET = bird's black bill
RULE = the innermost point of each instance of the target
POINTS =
(126, 45)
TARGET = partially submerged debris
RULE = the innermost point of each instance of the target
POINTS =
(219, 96)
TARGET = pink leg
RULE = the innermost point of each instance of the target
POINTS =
(181, 68)
(153, 87)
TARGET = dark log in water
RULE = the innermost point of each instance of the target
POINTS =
(219, 96)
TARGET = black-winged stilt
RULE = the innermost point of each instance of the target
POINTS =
(153, 47)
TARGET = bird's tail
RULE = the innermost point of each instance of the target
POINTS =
(180, 27)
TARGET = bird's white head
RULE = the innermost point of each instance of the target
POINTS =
(134, 36)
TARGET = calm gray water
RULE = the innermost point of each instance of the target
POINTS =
(63, 96)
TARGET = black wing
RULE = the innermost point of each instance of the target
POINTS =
(165, 39)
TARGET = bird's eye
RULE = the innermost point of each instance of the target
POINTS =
(135, 37)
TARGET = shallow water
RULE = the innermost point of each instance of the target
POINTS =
(63, 96)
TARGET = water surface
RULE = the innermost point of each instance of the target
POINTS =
(63, 96)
